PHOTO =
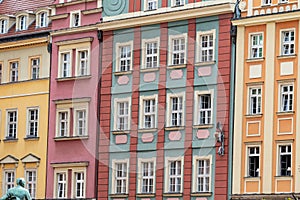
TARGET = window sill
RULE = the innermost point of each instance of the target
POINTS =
(283, 177)
(144, 70)
(175, 6)
(287, 56)
(255, 59)
(172, 194)
(71, 138)
(285, 113)
(252, 177)
(10, 140)
(122, 73)
(30, 138)
(253, 116)
(199, 64)
(73, 78)
(174, 128)
(201, 194)
(143, 195)
(118, 195)
(120, 132)
(203, 126)
(176, 66)
(147, 130)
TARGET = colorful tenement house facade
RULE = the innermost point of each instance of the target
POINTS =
(164, 94)
(266, 149)
(24, 93)
(73, 110)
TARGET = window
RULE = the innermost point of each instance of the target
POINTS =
(65, 70)
(283, 1)
(266, 2)
(146, 182)
(176, 111)
(43, 19)
(9, 180)
(125, 58)
(31, 182)
(14, 71)
(75, 19)
(285, 160)
(122, 116)
(79, 185)
(148, 111)
(22, 22)
(178, 50)
(35, 68)
(206, 46)
(82, 63)
(253, 161)
(63, 124)
(11, 124)
(256, 46)
(286, 95)
(81, 125)
(61, 185)
(120, 174)
(204, 109)
(288, 42)
(174, 176)
(151, 5)
(33, 119)
(178, 2)
(3, 26)
(151, 55)
(203, 175)
(254, 101)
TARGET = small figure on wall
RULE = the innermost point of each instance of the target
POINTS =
(18, 192)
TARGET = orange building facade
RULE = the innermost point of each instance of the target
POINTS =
(266, 154)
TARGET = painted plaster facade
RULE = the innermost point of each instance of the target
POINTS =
(155, 140)
(24, 94)
(266, 123)
(72, 142)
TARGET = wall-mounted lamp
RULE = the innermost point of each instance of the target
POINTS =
(219, 135)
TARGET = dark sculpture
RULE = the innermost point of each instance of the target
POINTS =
(237, 10)
(18, 192)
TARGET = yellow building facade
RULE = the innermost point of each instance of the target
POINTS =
(24, 96)
(266, 152)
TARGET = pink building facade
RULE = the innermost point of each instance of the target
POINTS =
(72, 141)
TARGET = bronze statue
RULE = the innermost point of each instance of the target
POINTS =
(18, 192)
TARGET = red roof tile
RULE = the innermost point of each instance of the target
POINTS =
(13, 6)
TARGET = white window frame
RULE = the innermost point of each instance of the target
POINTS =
(14, 71)
(258, 47)
(5, 183)
(3, 26)
(61, 62)
(278, 165)
(248, 155)
(79, 60)
(167, 173)
(42, 22)
(36, 67)
(289, 43)
(266, 2)
(140, 174)
(29, 121)
(280, 100)
(118, 56)
(169, 108)
(147, 6)
(76, 120)
(8, 123)
(82, 182)
(56, 172)
(116, 102)
(145, 55)
(33, 182)
(200, 34)
(196, 175)
(257, 96)
(143, 114)
(197, 106)
(114, 177)
(22, 22)
(72, 18)
(171, 47)
(176, 3)
(58, 133)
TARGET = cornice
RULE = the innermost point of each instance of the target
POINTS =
(72, 3)
(268, 18)
(60, 16)
(28, 42)
(74, 30)
(91, 11)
